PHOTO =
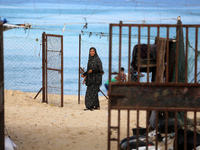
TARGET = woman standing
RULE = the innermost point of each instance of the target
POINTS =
(93, 80)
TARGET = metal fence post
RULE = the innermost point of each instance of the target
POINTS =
(1, 89)
(79, 65)
(43, 68)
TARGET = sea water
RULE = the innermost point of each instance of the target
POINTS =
(68, 19)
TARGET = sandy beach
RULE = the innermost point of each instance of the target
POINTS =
(32, 124)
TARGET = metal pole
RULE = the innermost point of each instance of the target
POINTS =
(109, 76)
(120, 48)
(129, 54)
(79, 65)
(43, 67)
(61, 71)
(38, 93)
(2, 140)
(103, 94)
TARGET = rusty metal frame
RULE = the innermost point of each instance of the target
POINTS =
(44, 67)
(2, 141)
(119, 99)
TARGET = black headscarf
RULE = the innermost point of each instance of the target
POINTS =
(95, 64)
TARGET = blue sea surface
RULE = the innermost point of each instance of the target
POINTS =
(53, 17)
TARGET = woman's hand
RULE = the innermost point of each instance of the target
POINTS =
(90, 71)
(82, 75)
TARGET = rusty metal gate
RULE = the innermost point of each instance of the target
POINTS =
(1, 89)
(167, 56)
(52, 62)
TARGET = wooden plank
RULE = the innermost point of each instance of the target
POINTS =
(161, 50)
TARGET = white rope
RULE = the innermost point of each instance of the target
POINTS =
(106, 22)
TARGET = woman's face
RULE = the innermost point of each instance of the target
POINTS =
(92, 52)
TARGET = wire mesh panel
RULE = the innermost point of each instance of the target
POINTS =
(54, 69)
(23, 63)
(102, 50)
(161, 103)
(102, 47)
